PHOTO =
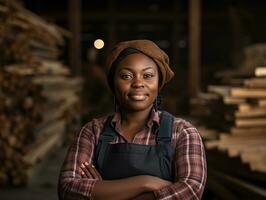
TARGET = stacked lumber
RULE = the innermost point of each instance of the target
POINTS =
(37, 91)
(248, 137)
(234, 131)
(244, 108)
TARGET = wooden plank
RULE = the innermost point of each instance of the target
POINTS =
(248, 131)
(59, 83)
(260, 71)
(262, 102)
(44, 68)
(223, 146)
(255, 83)
(251, 113)
(259, 166)
(252, 156)
(212, 144)
(238, 150)
(228, 100)
(248, 93)
(244, 107)
(228, 138)
(218, 89)
(259, 122)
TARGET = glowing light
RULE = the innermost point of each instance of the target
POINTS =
(99, 44)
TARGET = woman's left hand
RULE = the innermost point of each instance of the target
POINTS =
(89, 171)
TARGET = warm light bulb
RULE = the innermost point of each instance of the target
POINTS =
(99, 44)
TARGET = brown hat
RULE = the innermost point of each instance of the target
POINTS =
(148, 48)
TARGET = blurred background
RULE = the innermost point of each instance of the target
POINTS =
(52, 81)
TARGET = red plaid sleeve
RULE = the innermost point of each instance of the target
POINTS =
(71, 185)
(190, 165)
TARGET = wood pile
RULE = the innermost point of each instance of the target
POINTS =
(37, 92)
(247, 138)
(234, 132)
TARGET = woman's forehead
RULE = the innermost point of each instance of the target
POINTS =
(137, 61)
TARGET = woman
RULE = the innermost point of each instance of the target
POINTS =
(139, 152)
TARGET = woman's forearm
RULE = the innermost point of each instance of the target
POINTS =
(120, 189)
(127, 188)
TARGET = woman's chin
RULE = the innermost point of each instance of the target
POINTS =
(138, 106)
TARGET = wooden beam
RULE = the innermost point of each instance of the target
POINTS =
(237, 33)
(111, 24)
(219, 189)
(103, 15)
(129, 15)
(74, 8)
(175, 48)
(240, 186)
(194, 46)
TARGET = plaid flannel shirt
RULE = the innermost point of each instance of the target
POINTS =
(190, 163)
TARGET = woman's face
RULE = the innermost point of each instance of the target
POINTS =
(136, 82)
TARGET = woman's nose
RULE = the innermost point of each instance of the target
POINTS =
(137, 82)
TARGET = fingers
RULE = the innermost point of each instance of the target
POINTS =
(85, 172)
(89, 171)
(95, 171)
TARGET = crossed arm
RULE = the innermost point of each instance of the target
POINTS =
(73, 184)
(190, 174)
(137, 188)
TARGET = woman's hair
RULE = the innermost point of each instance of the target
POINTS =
(121, 56)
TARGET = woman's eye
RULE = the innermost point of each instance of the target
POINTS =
(148, 75)
(126, 76)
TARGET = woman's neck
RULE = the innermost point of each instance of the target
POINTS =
(137, 117)
(133, 122)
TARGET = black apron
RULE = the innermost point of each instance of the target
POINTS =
(122, 160)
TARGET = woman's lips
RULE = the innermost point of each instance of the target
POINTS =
(138, 97)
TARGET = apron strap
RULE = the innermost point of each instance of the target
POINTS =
(107, 135)
(165, 130)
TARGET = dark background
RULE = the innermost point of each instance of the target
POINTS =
(227, 27)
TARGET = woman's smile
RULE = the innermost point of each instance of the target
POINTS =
(138, 96)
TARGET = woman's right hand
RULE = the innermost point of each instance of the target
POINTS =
(153, 183)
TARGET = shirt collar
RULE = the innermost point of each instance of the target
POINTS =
(154, 118)
(116, 118)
